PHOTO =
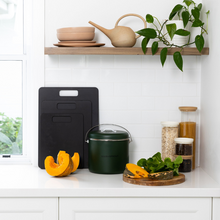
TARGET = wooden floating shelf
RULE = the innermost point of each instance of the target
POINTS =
(118, 51)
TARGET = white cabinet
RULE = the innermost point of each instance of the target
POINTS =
(29, 208)
(135, 208)
(216, 208)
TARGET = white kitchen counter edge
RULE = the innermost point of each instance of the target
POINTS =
(30, 181)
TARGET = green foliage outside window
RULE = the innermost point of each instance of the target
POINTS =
(10, 135)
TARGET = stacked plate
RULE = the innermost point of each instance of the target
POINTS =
(77, 37)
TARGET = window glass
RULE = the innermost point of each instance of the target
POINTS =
(11, 107)
(11, 27)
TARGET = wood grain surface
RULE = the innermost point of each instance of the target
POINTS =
(148, 182)
(118, 51)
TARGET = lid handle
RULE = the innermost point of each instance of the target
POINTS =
(87, 141)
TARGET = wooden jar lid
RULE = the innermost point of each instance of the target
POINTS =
(187, 108)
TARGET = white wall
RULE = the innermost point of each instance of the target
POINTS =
(135, 91)
(210, 104)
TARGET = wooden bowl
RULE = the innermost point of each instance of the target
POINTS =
(76, 30)
(76, 36)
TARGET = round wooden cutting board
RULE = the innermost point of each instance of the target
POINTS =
(150, 182)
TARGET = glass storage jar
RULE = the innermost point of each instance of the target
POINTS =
(186, 165)
(188, 127)
(169, 133)
(184, 146)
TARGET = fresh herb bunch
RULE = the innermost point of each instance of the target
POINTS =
(155, 164)
(188, 12)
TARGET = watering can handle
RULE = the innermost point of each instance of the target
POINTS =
(136, 15)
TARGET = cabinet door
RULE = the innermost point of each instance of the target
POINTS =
(29, 208)
(135, 208)
(216, 208)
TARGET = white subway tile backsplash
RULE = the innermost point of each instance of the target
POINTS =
(58, 75)
(51, 61)
(134, 91)
(155, 89)
(114, 75)
(86, 75)
(191, 76)
(130, 61)
(183, 89)
(93, 61)
(154, 117)
(167, 103)
(141, 75)
(72, 61)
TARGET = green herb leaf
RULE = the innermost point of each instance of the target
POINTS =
(144, 44)
(148, 32)
(177, 57)
(199, 6)
(154, 47)
(158, 156)
(185, 16)
(171, 29)
(199, 41)
(178, 160)
(196, 13)
(182, 32)
(176, 9)
(197, 23)
(163, 55)
(142, 162)
(149, 18)
(188, 2)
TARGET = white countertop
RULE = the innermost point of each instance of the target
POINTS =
(30, 181)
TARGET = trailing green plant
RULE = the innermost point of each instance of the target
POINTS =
(10, 135)
(190, 13)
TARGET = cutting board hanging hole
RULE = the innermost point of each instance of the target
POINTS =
(68, 93)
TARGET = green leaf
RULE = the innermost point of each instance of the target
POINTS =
(185, 16)
(163, 55)
(142, 162)
(199, 41)
(197, 23)
(144, 44)
(199, 6)
(157, 156)
(182, 32)
(176, 172)
(196, 13)
(148, 32)
(5, 139)
(171, 29)
(176, 9)
(149, 18)
(188, 2)
(154, 47)
(178, 160)
(177, 57)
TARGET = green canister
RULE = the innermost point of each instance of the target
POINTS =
(108, 150)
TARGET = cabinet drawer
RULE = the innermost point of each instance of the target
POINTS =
(135, 208)
(29, 208)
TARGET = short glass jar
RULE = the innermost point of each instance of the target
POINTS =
(184, 148)
(169, 133)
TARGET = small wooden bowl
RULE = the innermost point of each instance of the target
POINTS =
(76, 36)
(76, 30)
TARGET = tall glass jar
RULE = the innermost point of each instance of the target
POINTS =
(169, 133)
(188, 126)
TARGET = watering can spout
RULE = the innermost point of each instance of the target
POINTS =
(102, 29)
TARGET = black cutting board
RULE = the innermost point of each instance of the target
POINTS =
(64, 121)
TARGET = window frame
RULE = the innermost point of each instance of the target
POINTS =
(33, 78)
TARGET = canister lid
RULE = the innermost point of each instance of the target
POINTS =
(169, 123)
(184, 140)
(108, 135)
(187, 108)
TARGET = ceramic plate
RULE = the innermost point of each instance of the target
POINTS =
(79, 44)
